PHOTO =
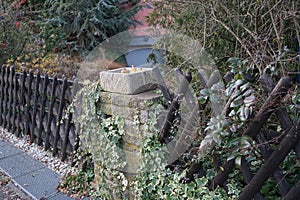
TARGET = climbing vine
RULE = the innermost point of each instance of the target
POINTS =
(101, 137)
(155, 181)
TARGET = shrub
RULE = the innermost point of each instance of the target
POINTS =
(264, 33)
(26, 38)
(87, 23)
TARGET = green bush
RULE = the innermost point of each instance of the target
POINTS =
(25, 36)
(262, 32)
(36, 29)
(88, 22)
(13, 33)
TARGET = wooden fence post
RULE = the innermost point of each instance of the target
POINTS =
(28, 104)
(50, 114)
(42, 109)
(10, 99)
(2, 85)
(59, 115)
(35, 105)
(6, 96)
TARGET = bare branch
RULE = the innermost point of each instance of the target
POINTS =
(263, 16)
(236, 37)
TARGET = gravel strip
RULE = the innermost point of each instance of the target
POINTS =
(38, 153)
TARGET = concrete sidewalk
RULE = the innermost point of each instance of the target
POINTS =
(32, 176)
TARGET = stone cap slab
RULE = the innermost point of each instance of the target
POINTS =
(127, 80)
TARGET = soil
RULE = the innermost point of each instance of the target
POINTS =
(9, 191)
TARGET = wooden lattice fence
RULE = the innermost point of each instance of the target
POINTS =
(286, 141)
(35, 105)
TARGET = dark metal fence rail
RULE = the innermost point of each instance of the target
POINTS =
(35, 105)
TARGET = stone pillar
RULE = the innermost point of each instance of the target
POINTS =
(127, 94)
(134, 109)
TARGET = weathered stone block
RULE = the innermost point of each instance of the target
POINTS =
(140, 101)
(133, 128)
(132, 140)
(132, 82)
(132, 161)
(124, 112)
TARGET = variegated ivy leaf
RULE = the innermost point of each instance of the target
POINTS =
(245, 86)
(205, 92)
(216, 130)
(239, 82)
(249, 100)
(236, 102)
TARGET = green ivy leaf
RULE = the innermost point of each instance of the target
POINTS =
(238, 161)
(236, 102)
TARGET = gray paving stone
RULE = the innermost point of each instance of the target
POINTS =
(20, 164)
(40, 183)
(6, 150)
(2, 142)
(32, 176)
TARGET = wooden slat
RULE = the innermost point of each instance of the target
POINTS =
(266, 152)
(42, 110)
(66, 138)
(2, 84)
(294, 192)
(247, 174)
(35, 105)
(10, 98)
(20, 117)
(59, 115)
(15, 105)
(5, 108)
(28, 104)
(50, 113)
